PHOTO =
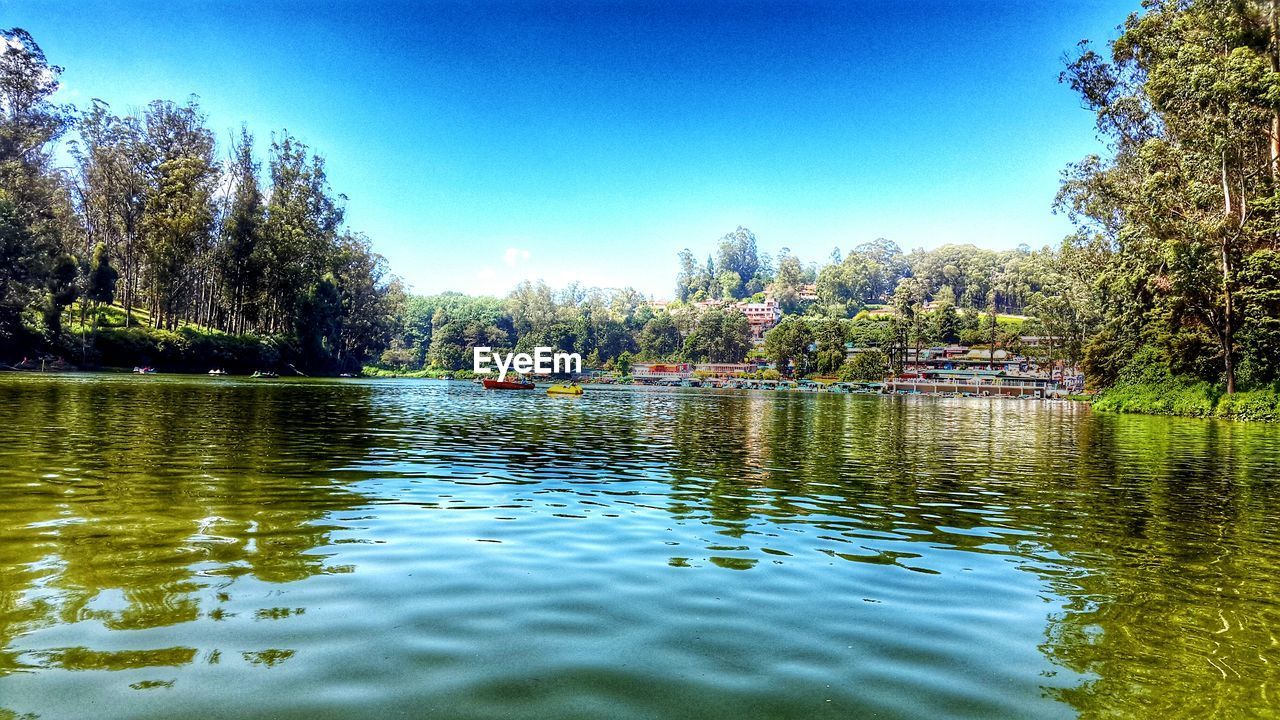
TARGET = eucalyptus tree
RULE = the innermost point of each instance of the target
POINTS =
(790, 279)
(660, 338)
(178, 219)
(1188, 101)
(241, 254)
(788, 345)
(718, 336)
(303, 218)
(35, 205)
(112, 186)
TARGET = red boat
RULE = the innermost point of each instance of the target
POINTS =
(491, 384)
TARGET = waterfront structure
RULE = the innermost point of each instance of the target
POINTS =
(727, 370)
(655, 372)
(975, 382)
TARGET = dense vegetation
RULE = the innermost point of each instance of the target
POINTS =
(1180, 221)
(210, 263)
(612, 326)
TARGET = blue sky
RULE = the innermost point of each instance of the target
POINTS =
(480, 143)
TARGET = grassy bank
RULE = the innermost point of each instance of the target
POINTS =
(434, 373)
(109, 344)
(1190, 399)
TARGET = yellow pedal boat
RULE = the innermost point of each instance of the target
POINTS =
(564, 390)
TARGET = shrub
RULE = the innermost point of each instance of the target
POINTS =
(1261, 404)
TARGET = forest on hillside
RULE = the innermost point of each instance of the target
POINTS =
(158, 240)
(207, 257)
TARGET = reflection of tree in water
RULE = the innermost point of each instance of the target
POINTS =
(175, 485)
(1170, 572)
(1155, 533)
(763, 456)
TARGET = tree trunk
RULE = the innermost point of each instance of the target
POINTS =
(1274, 32)
(1228, 321)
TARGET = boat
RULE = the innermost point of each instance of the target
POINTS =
(218, 371)
(144, 370)
(571, 389)
(264, 375)
(492, 384)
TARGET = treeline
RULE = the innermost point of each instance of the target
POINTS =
(613, 328)
(155, 217)
(1178, 246)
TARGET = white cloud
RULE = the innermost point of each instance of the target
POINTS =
(514, 256)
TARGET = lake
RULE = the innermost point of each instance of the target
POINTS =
(177, 547)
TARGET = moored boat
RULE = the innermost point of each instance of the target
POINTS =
(492, 384)
(572, 389)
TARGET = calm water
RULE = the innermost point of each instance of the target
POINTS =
(216, 548)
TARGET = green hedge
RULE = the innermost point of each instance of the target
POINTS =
(185, 350)
(1190, 399)
(1251, 405)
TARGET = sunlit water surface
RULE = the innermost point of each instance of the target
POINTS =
(225, 548)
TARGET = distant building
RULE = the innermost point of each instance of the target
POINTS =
(725, 369)
(761, 316)
(661, 371)
(806, 293)
(975, 382)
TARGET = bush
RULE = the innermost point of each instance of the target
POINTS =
(1170, 398)
(1250, 405)
(187, 349)
(869, 366)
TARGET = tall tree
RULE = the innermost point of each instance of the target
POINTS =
(35, 207)
(1188, 102)
(300, 231)
(240, 253)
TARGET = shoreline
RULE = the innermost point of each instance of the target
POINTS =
(1254, 406)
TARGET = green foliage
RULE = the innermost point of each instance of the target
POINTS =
(868, 274)
(1179, 220)
(1192, 400)
(1146, 385)
(62, 291)
(1259, 335)
(719, 336)
(145, 212)
(187, 349)
(660, 338)
(101, 278)
(787, 345)
(871, 366)
(829, 345)
(742, 271)
(1263, 404)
